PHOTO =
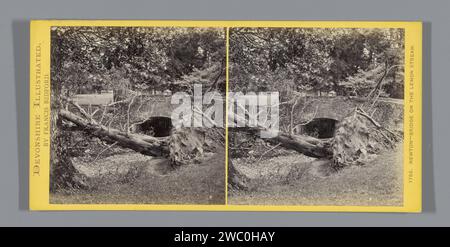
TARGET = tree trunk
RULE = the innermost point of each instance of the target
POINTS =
(63, 174)
(306, 145)
(143, 144)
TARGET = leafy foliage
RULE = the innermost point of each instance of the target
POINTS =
(319, 60)
(145, 58)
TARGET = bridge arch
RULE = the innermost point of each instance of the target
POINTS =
(320, 127)
(157, 126)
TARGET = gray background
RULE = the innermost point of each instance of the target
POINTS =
(14, 51)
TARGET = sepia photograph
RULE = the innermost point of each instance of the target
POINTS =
(225, 116)
(114, 92)
(338, 132)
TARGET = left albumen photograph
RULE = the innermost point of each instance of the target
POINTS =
(123, 107)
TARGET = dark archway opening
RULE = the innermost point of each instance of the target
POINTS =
(154, 126)
(320, 127)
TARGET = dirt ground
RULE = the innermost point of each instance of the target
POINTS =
(308, 181)
(130, 177)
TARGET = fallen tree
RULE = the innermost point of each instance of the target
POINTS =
(309, 146)
(358, 139)
(182, 146)
(143, 144)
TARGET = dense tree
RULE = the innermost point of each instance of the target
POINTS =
(134, 60)
(321, 60)
(149, 57)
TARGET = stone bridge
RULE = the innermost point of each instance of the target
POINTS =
(157, 105)
(330, 110)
